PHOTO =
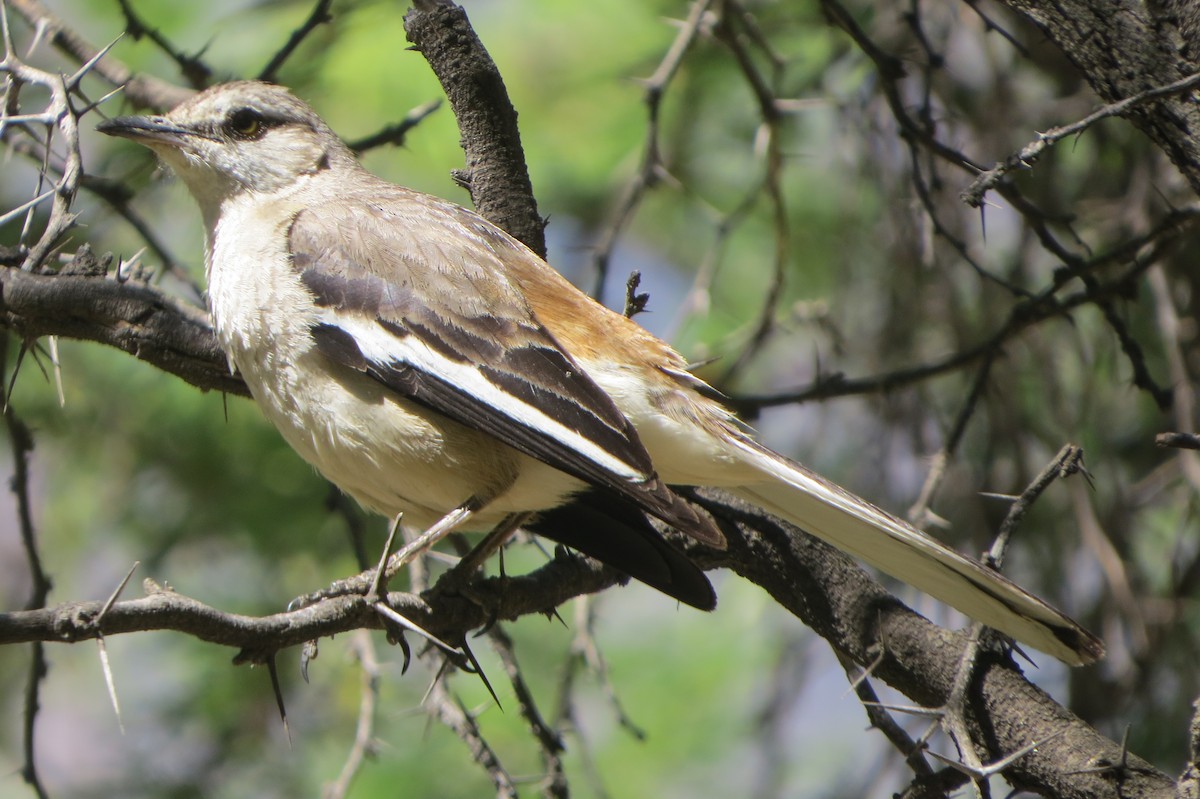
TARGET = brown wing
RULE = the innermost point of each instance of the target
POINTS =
(434, 316)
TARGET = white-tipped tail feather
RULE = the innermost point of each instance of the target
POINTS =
(853, 525)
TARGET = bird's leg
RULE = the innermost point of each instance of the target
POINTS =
(364, 582)
(490, 545)
(394, 621)
(457, 580)
(436, 532)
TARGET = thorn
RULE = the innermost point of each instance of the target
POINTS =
(12, 382)
(911, 710)
(478, 669)
(73, 81)
(391, 615)
(109, 682)
(274, 672)
(105, 664)
(104, 99)
(996, 766)
(58, 383)
(39, 34)
(441, 672)
(493, 617)
(866, 674)
(1105, 766)
(112, 598)
(129, 269)
(25, 206)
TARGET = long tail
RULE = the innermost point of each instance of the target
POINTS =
(859, 528)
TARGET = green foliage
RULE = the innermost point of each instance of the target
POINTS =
(137, 465)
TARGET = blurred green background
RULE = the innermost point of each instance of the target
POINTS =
(743, 702)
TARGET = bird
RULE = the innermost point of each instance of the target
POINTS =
(432, 366)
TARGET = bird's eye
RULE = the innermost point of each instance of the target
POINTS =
(245, 123)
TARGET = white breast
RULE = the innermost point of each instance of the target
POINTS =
(389, 454)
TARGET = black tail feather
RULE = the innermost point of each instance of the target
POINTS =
(615, 532)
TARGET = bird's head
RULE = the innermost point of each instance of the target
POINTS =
(245, 136)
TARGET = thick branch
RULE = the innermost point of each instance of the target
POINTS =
(496, 175)
(843, 604)
(131, 316)
(820, 585)
(1127, 49)
(448, 616)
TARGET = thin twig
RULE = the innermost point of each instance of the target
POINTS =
(772, 184)
(395, 134)
(550, 745)
(650, 169)
(450, 711)
(21, 441)
(1182, 440)
(1067, 462)
(198, 73)
(882, 720)
(1024, 315)
(919, 514)
(365, 744)
(317, 17)
(1029, 154)
(1183, 387)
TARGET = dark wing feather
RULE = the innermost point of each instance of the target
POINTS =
(434, 318)
(614, 531)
